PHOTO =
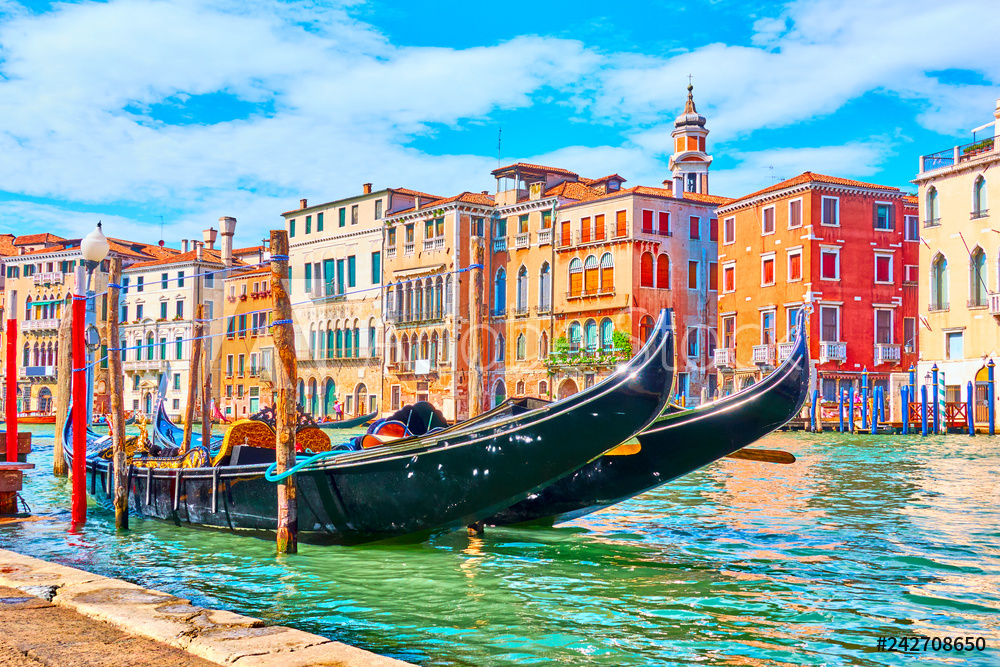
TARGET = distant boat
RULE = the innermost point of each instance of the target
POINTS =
(349, 423)
(35, 417)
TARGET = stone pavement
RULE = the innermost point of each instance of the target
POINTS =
(98, 617)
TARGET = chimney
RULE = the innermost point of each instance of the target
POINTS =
(678, 186)
(486, 192)
(228, 226)
(210, 235)
(184, 245)
(303, 203)
(199, 251)
(366, 188)
(416, 203)
(668, 185)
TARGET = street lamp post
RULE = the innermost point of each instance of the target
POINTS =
(94, 248)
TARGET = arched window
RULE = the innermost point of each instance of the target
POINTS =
(939, 283)
(576, 277)
(433, 356)
(663, 272)
(980, 205)
(522, 349)
(933, 205)
(357, 339)
(447, 295)
(543, 345)
(574, 337)
(543, 387)
(27, 308)
(150, 349)
(26, 356)
(501, 348)
(607, 329)
(522, 290)
(499, 392)
(392, 349)
(330, 340)
(519, 388)
(591, 275)
(424, 347)
(313, 398)
(590, 335)
(390, 302)
(439, 297)
(408, 303)
(429, 306)
(445, 345)
(977, 278)
(545, 289)
(646, 325)
(312, 343)
(340, 342)
(607, 273)
(500, 293)
(405, 349)
(646, 270)
(400, 303)
(35, 353)
(348, 340)
(372, 351)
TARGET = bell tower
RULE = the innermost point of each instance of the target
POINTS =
(689, 162)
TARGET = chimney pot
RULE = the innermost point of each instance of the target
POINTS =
(228, 225)
(367, 188)
(199, 251)
(184, 245)
(209, 236)
(303, 203)
(416, 203)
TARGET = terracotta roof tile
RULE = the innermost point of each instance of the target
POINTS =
(602, 179)
(573, 190)
(810, 177)
(37, 238)
(7, 247)
(211, 257)
(525, 166)
(248, 251)
(414, 193)
(465, 197)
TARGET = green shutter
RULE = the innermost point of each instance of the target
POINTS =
(291, 228)
(351, 266)
(376, 268)
(309, 277)
(340, 276)
(343, 217)
(319, 222)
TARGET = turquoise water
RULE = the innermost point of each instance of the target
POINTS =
(741, 563)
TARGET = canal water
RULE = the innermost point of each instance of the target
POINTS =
(741, 563)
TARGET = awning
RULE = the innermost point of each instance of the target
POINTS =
(422, 271)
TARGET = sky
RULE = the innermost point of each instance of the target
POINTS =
(166, 115)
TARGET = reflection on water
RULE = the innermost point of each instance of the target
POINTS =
(741, 563)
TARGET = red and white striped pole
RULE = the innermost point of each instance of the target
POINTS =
(78, 360)
(11, 406)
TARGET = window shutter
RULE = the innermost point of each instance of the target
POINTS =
(663, 272)
(599, 227)
(646, 270)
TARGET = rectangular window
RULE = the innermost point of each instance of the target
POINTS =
(378, 209)
(229, 365)
(713, 276)
(242, 331)
(829, 264)
(231, 328)
(663, 226)
(692, 342)
(124, 317)
(692, 275)
(428, 229)
(912, 228)
(180, 310)
(683, 383)
(767, 327)
(342, 213)
(163, 348)
(138, 312)
(390, 239)
(829, 324)
(621, 222)
(695, 227)
(522, 224)
(351, 270)
(309, 277)
(729, 230)
(177, 404)
(909, 333)
(794, 213)
(794, 265)
(599, 233)
(180, 279)
(713, 229)
(647, 221)
(791, 319)
(376, 268)
(953, 345)
(883, 326)
(477, 226)
(585, 230)
(179, 343)
(767, 222)
(911, 273)
(138, 284)
(729, 278)
(767, 270)
(291, 228)
(354, 214)
(409, 229)
(164, 280)
(729, 332)
(209, 280)
(546, 219)
(341, 283)
(253, 364)
(883, 217)
(241, 365)
(163, 310)
(883, 268)
(177, 380)
(135, 378)
(309, 224)
(831, 212)
(319, 222)
(229, 393)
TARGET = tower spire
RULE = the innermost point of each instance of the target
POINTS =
(689, 107)
(690, 161)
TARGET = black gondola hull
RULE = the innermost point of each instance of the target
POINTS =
(677, 443)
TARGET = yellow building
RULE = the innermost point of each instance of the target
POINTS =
(247, 350)
(960, 262)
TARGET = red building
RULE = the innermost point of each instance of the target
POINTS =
(847, 250)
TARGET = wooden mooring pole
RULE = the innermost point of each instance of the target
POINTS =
(206, 393)
(193, 380)
(283, 334)
(116, 389)
(64, 372)
(476, 296)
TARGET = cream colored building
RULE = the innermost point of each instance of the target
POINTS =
(960, 262)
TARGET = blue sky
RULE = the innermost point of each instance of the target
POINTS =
(129, 110)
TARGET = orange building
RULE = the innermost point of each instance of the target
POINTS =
(846, 249)
(247, 350)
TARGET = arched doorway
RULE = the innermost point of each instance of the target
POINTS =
(313, 398)
(567, 389)
(360, 399)
(147, 403)
(329, 396)
(748, 381)
(45, 400)
(499, 392)
(982, 407)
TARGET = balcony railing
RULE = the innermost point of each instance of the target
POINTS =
(785, 351)
(725, 357)
(520, 311)
(544, 236)
(51, 323)
(763, 354)
(48, 278)
(982, 213)
(500, 244)
(932, 222)
(956, 155)
(978, 302)
(142, 365)
(544, 308)
(434, 244)
(832, 351)
(498, 312)
(390, 252)
(522, 241)
(408, 248)
(939, 307)
(886, 353)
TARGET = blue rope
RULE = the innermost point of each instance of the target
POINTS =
(279, 258)
(270, 475)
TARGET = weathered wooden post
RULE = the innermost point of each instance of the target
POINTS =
(64, 372)
(476, 296)
(116, 388)
(206, 393)
(283, 334)
(194, 367)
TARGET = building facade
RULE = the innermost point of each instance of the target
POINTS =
(960, 264)
(246, 353)
(845, 250)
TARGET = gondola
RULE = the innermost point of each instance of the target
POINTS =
(349, 423)
(168, 434)
(422, 483)
(678, 442)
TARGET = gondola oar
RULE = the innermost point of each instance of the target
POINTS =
(764, 455)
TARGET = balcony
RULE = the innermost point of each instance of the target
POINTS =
(763, 354)
(886, 353)
(522, 241)
(38, 371)
(142, 365)
(498, 312)
(939, 307)
(933, 222)
(48, 278)
(995, 304)
(434, 244)
(725, 357)
(500, 244)
(520, 311)
(408, 248)
(390, 252)
(832, 351)
(982, 213)
(956, 155)
(544, 236)
(544, 308)
(980, 302)
(50, 324)
(785, 351)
